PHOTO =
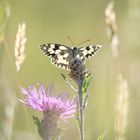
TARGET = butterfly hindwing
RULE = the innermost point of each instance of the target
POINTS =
(58, 53)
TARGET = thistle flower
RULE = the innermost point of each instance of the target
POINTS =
(20, 46)
(54, 108)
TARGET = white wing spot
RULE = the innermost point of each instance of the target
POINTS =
(82, 57)
(52, 46)
(82, 49)
(61, 60)
(99, 46)
(45, 48)
(50, 50)
(62, 48)
(57, 51)
(90, 51)
(65, 55)
(85, 52)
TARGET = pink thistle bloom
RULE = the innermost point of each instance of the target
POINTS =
(55, 108)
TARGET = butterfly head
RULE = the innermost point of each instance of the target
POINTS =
(74, 51)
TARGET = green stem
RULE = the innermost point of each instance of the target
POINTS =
(81, 111)
(78, 116)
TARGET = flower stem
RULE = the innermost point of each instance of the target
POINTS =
(81, 111)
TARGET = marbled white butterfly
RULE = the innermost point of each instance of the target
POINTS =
(62, 55)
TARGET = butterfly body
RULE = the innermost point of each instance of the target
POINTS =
(61, 55)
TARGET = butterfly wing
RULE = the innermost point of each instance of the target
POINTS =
(58, 53)
(88, 51)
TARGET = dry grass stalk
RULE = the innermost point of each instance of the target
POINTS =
(5, 14)
(110, 19)
(20, 46)
(9, 116)
(121, 109)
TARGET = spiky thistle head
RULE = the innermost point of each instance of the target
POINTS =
(55, 108)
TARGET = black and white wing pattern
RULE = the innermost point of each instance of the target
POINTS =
(88, 52)
(62, 55)
(58, 53)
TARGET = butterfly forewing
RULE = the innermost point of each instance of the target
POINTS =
(88, 51)
(59, 54)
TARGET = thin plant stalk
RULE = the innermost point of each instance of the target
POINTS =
(10, 102)
(122, 101)
(80, 103)
(81, 110)
(80, 75)
(13, 98)
(121, 109)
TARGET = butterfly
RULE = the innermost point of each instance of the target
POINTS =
(62, 55)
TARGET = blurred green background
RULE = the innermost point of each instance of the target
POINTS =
(52, 21)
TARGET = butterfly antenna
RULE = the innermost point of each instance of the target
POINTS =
(69, 38)
(83, 42)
